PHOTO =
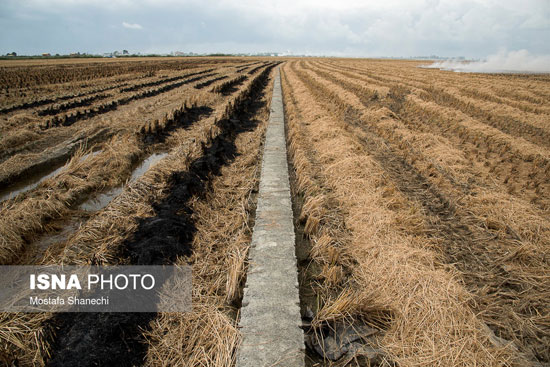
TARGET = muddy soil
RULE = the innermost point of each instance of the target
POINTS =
(53, 157)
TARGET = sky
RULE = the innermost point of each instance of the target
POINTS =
(367, 28)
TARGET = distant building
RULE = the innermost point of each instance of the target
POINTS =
(125, 52)
(12, 54)
(46, 54)
(180, 53)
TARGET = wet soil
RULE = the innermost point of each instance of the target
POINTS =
(63, 229)
(53, 157)
(101, 200)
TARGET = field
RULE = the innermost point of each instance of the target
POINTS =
(421, 201)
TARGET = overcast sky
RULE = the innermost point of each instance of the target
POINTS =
(474, 28)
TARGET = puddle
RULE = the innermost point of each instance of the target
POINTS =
(24, 185)
(145, 165)
(102, 200)
(50, 244)
(29, 184)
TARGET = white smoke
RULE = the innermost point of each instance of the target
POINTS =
(504, 62)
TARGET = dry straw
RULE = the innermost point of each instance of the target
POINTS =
(397, 281)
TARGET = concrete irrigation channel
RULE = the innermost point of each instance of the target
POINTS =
(270, 319)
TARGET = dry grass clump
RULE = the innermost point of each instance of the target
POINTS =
(395, 271)
(22, 339)
(511, 282)
(25, 218)
(205, 337)
(15, 137)
(17, 161)
(320, 213)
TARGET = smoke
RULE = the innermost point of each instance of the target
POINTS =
(504, 62)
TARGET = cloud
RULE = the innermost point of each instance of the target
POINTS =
(470, 28)
(503, 62)
(131, 26)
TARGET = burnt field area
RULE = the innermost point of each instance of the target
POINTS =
(147, 163)
(421, 203)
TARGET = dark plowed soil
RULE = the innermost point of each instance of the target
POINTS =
(183, 118)
(75, 116)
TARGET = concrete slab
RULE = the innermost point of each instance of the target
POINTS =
(270, 316)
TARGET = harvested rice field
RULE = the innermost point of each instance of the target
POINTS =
(420, 200)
